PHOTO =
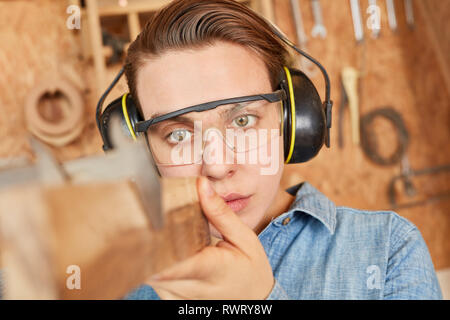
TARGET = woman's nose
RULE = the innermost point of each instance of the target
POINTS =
(218, 160)
(218, 172)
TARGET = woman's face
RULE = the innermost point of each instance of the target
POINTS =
(183, 78)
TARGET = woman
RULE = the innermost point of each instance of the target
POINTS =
(300, 246)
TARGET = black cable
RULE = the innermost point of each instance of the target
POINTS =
(103, 97)
(368, 140)
(283, 37)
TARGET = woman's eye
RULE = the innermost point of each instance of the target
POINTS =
(244, 121)
(179, 136)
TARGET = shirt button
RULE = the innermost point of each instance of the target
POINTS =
(286, 221)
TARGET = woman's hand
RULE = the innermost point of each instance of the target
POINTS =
(235, 268)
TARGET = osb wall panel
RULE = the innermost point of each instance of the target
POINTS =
(401, 70)
(35, 45)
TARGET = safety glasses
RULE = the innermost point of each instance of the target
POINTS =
(244, 124)
(143, 126)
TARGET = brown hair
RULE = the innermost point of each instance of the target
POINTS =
(184, 24)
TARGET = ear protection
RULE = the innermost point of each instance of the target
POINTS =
(306, 120)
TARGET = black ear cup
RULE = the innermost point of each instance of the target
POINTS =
(304, 117)
(128, 114)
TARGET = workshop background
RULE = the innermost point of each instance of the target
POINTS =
(401, 161)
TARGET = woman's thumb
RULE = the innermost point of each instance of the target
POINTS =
(221, 216)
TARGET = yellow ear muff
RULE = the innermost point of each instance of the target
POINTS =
(291, 96)
(127, 117)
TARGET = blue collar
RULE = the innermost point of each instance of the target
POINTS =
(311, 201)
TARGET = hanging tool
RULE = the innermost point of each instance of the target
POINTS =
(318, 28)
(392, 18)
(342, 107)
(301, 35)
(369, 144)
(116, 44)
(406, 176)
(357, 21)
(409, 11)
(350, 77)
(305, 65)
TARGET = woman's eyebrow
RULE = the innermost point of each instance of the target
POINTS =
(180, 119)
(232, 109)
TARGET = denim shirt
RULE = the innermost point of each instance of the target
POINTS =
(320, 251)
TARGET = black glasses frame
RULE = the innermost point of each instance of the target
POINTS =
(142, 126)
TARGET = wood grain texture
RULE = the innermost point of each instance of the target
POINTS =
(99, 227)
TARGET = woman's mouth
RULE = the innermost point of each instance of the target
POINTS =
(236, 201)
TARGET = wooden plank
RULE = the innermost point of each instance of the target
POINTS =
(25, 236)
(267, 10)
(95, 36)
(115, 233)
(133, 25)
(100, 228)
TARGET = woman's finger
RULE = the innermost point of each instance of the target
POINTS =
(224, 219)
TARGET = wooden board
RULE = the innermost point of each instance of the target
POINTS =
(101, 229)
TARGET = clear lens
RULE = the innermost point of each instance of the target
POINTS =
(240, 127)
